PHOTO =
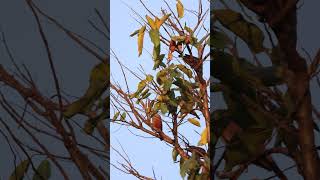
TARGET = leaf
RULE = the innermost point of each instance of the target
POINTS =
(116, 115)
(194, 121)
(163, 108)
(20, 170)
(254, 139)
(180, 9)
(44, 170)
(174, 154)
(185, 70)
(188, 166)
(178, 38)
(151, 22)
(247, 31)
(123, 116)
(99, 81)
(235, 154)
(142, 84)
(219, 40)
(189, 30)
(204, 138)
(134, 33)
(155, 37)
(140, 39)
(162, 20)
(149, 78)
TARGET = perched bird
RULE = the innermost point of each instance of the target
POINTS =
(157, 125)
(157, 122)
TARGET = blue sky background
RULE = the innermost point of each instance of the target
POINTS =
(145, 153)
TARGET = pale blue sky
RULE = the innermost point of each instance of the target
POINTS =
(145, 154)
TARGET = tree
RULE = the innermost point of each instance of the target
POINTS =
(269, 109)
(50, 134)
(177, 91)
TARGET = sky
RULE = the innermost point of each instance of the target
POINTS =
(145, 153)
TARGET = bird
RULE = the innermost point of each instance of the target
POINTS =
(157, 122)
(157, 125)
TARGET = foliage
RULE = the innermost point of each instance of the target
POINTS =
(177, 88)
(258, 107)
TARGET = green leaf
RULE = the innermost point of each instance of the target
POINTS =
(116, 115)
(248, 32)
(188, 166)
(235, 155)
(149, 78)
(155, 37)
(163, 108)
(174, 154)
(156, 55)
(44, 170)
(219, 40)
(99, 81)
(123, 116)
(20, 170)
(189, 30)
(255, 138)
(185, 70)
(142, 84)
(178, 38)
(151, 22)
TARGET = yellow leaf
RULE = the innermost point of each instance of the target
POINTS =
(162, 20)
(204, 138)
(140, 39)
(194, 121)
(180, 9)
(151, 22)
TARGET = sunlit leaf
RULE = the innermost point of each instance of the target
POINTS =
(204, 138)
(151, 22)
(180, 9)
(194, 121)
(149, 78)
(140, 39)
(134, 33)
(162, 20)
